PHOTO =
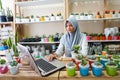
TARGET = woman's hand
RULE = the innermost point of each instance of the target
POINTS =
(51, 56)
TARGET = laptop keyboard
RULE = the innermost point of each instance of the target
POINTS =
(44, 65)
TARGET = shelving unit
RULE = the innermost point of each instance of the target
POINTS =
(37, 3)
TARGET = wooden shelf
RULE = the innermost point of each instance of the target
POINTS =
(40, 2)
(117, 18)
(3, 23)
(38, 22)
(104, 41)
(39, 42)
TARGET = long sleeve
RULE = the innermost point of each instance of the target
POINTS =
(60, 50)
(84, 45)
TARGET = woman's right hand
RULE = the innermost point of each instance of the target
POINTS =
(51, 56)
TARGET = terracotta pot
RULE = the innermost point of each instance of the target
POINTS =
(98, 37)
(103, 38)
(109, 37)
(115, 37)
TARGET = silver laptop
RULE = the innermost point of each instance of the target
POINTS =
(42, 66)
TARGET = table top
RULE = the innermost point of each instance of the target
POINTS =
(27, 73)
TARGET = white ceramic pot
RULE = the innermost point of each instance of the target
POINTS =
(47, 18)
(74, 55)
(13, 69)
(8, 55)
(52, 18)
(37, 19)
(59, 17)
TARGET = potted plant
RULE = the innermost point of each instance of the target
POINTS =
(9, 15)
(90, 16)
(116, 58)
(13, 67)
(91, 59)
(97, 68)
(32, 18)
(2, 15)
(77, 16)
(78, 60)
(52, 17)
(87, 36)
(47, 18)
(104, 59)
(98, 16)
(107, 14)
(102, 36)
(51, 38)
(70, 68)
(98, 37)
(109, 37)
(82, 15)
(3, 45)
(56, 37)
(37, 19)
(115, 37)
(3, 66)
(114, 15)
(9, 52)
(59, 16)
(75, 51)
(111, 68)
(84, 68)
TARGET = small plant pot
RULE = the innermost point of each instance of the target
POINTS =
(84, 70)
(32, 20)
(74, 55)
(3, 69)
(37, 19)
(116, 61)
(103, 61)
(3, 48)
(46, 39)
(98, 37)
(70, 68)
(109, 37)
(50, 39)
(90, 62)
(97, 70)
(111, 69)
(56, 39)
(17, 20)
(3, 19)
(59, 17)
(115, 38)
(87, 38)
(13, 70)
(77, 62)
(10, 18)
(103, 38)
(52, 18)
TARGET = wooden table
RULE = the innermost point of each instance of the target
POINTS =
(27, 73)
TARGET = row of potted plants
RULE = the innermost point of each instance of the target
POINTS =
(12, 56)
(96, 63)
(106, 14)
(51, 38)
(111, 68)
(101, 36)
(5, 15)
(31, 18)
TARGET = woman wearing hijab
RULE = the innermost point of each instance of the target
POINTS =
(72, 37)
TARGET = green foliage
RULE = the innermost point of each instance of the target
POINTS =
(84, 62)
(4, 42)
(15, 50)
(9, 43)
(80, 57)
(13, 63)
(2, 61)
(76, 48)
(116, 56)
(9, 12)
(16, 37)
(97, 63)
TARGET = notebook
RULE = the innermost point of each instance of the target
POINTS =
(42, 66)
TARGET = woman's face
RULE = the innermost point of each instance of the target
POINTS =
(69, 27)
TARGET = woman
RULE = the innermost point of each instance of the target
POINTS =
(72, 37)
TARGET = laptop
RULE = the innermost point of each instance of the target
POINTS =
(42, 66)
